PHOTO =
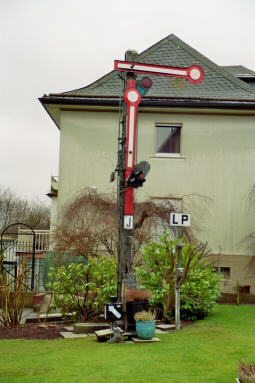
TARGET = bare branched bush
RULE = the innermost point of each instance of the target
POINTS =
(137, 295)
(12, 299)
(15, 209)
(90, 225)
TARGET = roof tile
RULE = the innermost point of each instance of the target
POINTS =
(218, 83)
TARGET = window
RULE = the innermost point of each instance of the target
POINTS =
(168, 140)
(225, 271)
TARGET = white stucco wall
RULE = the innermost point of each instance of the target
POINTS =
(214, 174)
(88, 152)
(53, 212)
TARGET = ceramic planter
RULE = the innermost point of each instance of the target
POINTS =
(145, 330)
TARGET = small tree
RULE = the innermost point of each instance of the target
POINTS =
(158, 273)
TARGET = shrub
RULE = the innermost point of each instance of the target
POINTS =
(200, 285)
(199, 292)
(12, 294)
(145, 316)
(80, 290)
(137, 295)
(246, 372)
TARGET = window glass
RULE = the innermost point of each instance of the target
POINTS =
(168, 139)
(225, 271)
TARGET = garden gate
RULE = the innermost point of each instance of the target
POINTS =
(18, 244)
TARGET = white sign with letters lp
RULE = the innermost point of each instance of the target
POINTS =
(128, 222)
(179, 219)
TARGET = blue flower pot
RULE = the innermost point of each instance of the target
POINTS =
(145, 330)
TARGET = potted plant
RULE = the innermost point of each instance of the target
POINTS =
(136, 300)
(145, 324)
(246, 373)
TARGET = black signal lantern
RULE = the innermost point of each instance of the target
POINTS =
(137, 176)
(144, 85)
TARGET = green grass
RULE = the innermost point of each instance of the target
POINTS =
(206, 352)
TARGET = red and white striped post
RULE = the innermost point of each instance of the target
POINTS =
(132, 98)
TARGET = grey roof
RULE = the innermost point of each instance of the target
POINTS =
(240, 71)
(218, 84)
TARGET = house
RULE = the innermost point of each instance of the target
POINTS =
(198, 138)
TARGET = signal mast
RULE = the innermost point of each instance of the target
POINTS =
(130, 174)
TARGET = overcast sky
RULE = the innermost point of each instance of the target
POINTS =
(50, 46)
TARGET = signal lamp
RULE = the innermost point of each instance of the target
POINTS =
(137, 176)
(144, 85)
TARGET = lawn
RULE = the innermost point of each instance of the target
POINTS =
(206, 352)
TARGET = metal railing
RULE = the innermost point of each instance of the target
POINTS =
(42, 240)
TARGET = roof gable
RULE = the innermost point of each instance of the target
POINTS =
(218, 83)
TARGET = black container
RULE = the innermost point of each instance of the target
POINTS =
(114, 299)
(135, 307)
(113, 311)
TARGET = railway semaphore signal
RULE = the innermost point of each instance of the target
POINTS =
(134, 174)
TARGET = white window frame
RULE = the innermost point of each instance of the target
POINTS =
(168, 124)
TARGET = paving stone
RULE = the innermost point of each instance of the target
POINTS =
(104, 332)
(130, 333)
(165, 327)
(157, 331)
(69, 328)
(89, 327)
(34, 317)
(138, 340)
(71, 335)
(104, 335)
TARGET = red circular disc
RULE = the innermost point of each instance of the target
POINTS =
(195, 74)
(132, 96)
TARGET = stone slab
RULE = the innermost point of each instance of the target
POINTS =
(104, 336)
(34, 317)
(138, 340)
(103, 333)
(165, 327)
(89, 327)
(69, 328)
(130, 333)
(71, 335)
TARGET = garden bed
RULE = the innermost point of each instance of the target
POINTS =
(50, 331)
(32, 331)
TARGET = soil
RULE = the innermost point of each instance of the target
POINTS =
(32, 331)
(37, 331)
